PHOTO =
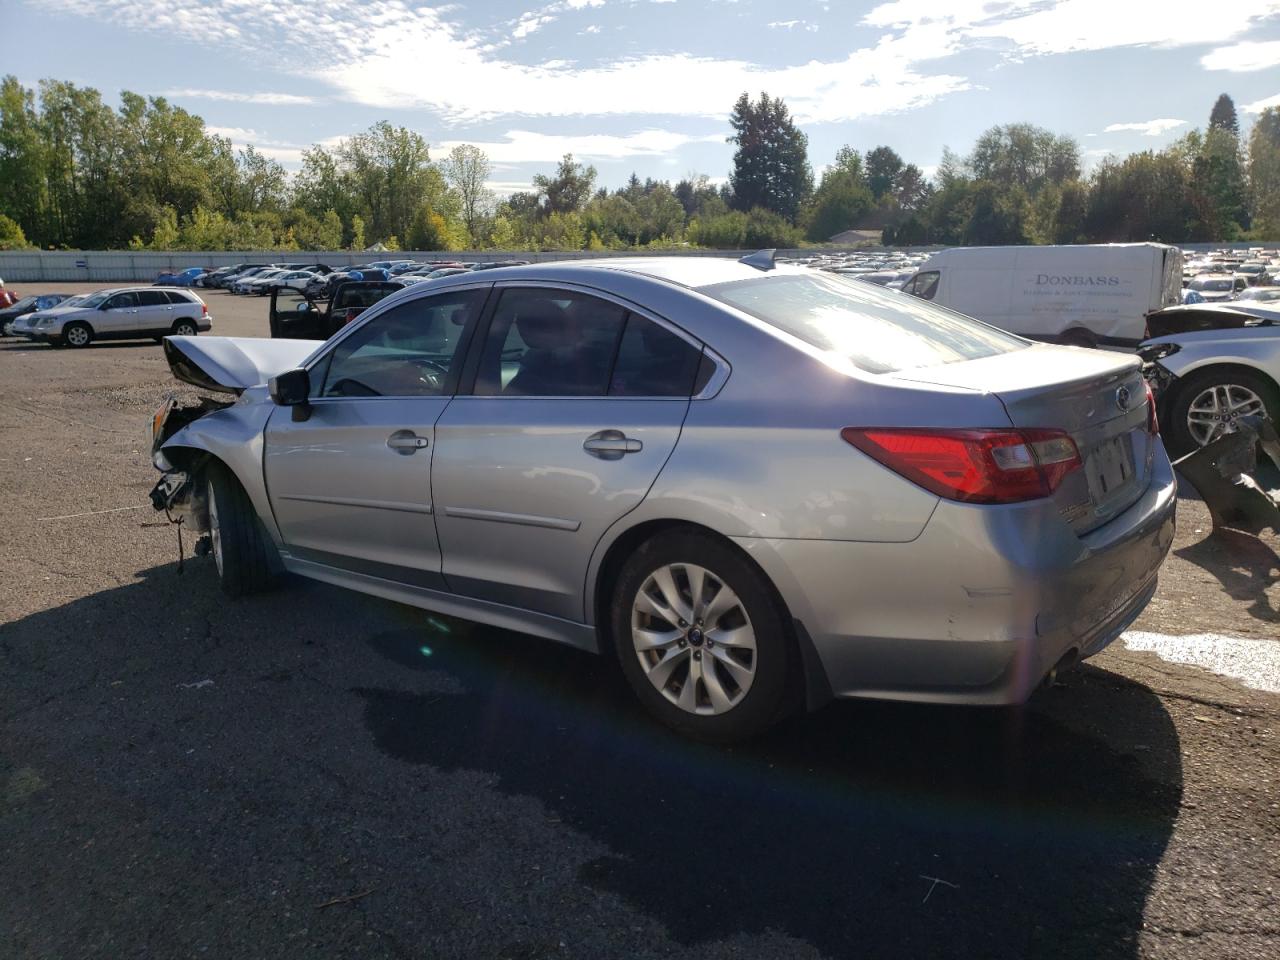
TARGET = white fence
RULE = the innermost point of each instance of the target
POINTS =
(94, 266)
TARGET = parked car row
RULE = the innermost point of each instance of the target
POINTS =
(118, 313)
(26, 305)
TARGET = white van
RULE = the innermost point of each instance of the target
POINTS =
(1089, 295)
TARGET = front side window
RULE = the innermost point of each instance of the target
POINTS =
(123, 301)
(408, 351)
(876, 330)
(550, 343)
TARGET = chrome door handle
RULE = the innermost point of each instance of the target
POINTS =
(406, 442)
(611, 445)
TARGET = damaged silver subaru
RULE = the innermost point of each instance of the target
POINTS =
(754, 486)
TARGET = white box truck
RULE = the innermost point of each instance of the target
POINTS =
(1090, 295)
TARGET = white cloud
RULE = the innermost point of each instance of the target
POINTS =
(1148, 128)
(398, 54)
(1036, 27)
(274, 99)
(791, 24)
(523, 146)
(1259, 105)
(1243, 57)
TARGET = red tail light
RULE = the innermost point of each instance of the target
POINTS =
(1153, 424)
(975, 466)
(204, 309)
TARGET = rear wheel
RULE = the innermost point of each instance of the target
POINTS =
(1209, 404)
(77, 335)
(700, 638)
(239, 545)
(184, 328)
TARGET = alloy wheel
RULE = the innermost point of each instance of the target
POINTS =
(1214, 411)
(77, 336)
(693, 638)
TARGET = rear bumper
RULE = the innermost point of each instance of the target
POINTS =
(981, 606)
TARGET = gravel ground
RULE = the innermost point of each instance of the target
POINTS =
(317, 773)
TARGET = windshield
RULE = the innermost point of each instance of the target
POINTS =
(24, 302)
(96, 299)
(1213, 286)
(877, 330)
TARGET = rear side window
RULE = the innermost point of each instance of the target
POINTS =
(550, 343)
(181, 299)
(653, 362)
(877, 330)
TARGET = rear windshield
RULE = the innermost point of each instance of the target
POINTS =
(877, 330)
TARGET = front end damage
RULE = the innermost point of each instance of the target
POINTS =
(176, 492)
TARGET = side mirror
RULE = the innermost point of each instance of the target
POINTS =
(292, 389)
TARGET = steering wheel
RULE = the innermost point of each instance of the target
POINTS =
(431, 372)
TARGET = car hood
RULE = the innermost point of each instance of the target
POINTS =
(233, 364)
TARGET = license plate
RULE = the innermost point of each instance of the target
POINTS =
(1110, 467)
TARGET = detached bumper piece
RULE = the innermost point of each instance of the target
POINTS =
(1222, 472)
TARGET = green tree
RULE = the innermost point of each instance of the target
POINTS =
(567, 191)
(1264, 173)
(842, 198)
(11, 235)
(357, 232)
(1223, 116)
(1026, 156)
(23, 188)
(1000, 214)
(467, 170)
(883, 168)
(770, 166)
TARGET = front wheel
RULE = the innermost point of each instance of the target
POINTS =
(77, 335)
(1209, 404)
(700, 638)
(238, 543)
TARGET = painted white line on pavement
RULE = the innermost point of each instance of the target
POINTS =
(1255, 663)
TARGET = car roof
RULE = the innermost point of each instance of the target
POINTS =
(693, 272)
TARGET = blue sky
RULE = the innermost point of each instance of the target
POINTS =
(647, 85)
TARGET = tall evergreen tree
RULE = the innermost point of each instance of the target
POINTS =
(771, 164)
(1223, 116)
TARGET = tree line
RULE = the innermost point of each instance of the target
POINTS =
(77, 173)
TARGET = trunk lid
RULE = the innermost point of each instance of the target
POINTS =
(233, 364)
(1096, 396)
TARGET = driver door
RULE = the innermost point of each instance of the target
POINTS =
(351, 485)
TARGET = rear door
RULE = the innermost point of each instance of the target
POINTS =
(155, 311)
(577, 403)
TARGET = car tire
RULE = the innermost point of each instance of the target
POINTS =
(1232, 385)
(747, 648)
(241, 553)
(184, 328)
(77, 335)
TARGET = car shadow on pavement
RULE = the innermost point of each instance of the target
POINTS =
(1246, 566)
(866, 830)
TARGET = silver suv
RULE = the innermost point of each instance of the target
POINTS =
(122, 313)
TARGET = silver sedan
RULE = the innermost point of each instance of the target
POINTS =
(756, 486)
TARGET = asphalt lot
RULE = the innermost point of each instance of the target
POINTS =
(317, 773)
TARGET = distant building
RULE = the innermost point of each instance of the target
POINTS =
(851, 237)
